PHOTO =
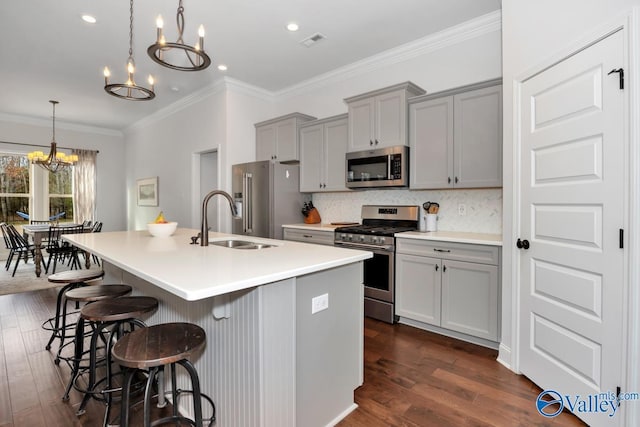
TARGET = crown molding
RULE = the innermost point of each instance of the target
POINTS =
(35, 121)
(485, 24)
(220, 85)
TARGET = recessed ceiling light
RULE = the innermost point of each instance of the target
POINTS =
(222, 67)
(292, 26)
(88, 18)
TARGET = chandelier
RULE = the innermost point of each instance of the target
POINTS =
(179, 56)
(129, 89)
(55, 161)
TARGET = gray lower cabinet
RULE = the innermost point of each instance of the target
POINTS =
(320, 237)
(453, 286)
(456, 138)
(323, 144)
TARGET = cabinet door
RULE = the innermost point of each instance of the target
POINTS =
(361, 126)
(390, 119)
(335, 148)
(418, 288)
(311, 147)
(265, 142)
(431, 142)
(286, 140)
(470, 298)
(478, 138)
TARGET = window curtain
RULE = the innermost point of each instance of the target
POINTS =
(84, 186)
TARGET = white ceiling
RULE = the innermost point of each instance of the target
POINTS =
(48, 52)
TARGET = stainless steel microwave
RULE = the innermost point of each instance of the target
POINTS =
(382, 167)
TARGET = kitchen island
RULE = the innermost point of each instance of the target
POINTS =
(269, 360)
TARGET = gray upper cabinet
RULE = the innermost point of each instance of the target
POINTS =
(323, 145)
(277, 139)
(456, 138)
(378, 119)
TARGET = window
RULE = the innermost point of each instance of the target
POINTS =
(14, 187)
(32, 190)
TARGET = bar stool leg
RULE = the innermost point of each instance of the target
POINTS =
(79, 349)
(195, 387)
(148, 394)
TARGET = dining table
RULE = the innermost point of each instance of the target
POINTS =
(39, 232)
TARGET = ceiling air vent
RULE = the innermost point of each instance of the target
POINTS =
(313, 39)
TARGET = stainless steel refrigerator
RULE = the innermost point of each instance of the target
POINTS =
(267, 196)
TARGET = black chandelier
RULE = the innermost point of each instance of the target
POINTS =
(55, 161)
(129, 90)
(178, 55)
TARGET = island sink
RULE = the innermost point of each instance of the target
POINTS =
(239, 244)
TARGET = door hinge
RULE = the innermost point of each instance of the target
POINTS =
(621, 72)
(621, 238)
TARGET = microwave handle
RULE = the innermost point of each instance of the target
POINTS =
(389, 163)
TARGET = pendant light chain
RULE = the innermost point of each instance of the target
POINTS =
(131, 29)
(53, 138)
(180, 22)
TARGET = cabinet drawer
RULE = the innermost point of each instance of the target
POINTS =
(483, 254)
(309, 236)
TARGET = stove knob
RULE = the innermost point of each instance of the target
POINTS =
(374, 240)
(350, 237)
(343, 236)
(382, 240)
(362, 238)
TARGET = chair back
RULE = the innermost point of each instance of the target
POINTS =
(5, 235)
(15, 239)
(86, 224)
(97, 227)
(39, 222)
(56, 231)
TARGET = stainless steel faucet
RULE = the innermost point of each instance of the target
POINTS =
(204, 226)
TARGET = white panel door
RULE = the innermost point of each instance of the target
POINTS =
(572, 201)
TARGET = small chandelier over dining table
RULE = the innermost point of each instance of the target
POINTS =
(56, 160)
(170, 54)
(129, 90)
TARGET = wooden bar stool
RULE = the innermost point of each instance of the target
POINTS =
(71, 280)
(151, 349)
(85, 294)
(119, 316)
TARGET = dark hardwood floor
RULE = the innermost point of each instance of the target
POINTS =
(412, 378)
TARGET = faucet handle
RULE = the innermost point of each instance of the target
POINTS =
(194, 239)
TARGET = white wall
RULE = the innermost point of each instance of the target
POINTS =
(111, 200)
(532, 33)
(164, 145)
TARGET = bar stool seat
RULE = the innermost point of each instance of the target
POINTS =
(114, 314)
(151, 349)
(70, 279)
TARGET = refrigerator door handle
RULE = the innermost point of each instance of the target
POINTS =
(247, 196)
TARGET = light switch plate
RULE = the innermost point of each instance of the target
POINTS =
(319, 303)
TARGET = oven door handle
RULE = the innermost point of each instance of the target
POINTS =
(364, 246)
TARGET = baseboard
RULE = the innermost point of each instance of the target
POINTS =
(449, 333)
(505, 357)
(343, 415)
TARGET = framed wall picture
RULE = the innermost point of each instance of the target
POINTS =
(147, 191)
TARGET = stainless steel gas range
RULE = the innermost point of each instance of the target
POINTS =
(375, 234)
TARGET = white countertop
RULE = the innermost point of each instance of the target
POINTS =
(454, 236)
(195, 272)
(317, 227)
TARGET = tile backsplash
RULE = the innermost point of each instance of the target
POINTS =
(483, 207)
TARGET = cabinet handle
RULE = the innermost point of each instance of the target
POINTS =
(448, 180)
(370, 142)
(376, 142)
(456, 179)
(308, 236)
(320, 185)
(324, 185)
(436, 267)
(444, 268)
(441, 250)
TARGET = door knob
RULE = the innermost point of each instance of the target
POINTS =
(522, 244)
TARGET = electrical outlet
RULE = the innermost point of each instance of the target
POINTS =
(462, 209)
(319, 303)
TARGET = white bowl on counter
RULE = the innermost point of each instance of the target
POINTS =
(164, 229)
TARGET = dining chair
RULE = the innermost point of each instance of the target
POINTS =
(39, 222)
(19, 247)
(7, 243)
(59, 250)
